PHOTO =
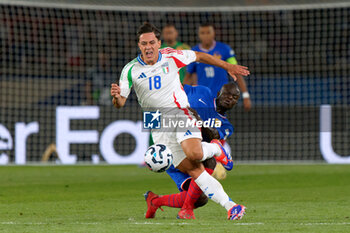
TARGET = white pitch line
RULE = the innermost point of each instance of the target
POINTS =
(185, 223)
(325, 223)
(24, 223)
(126, 223)
(158, 223)
(174, 224)
(249, 223)
(46, 223)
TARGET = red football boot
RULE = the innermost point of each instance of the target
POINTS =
(186, 214)
(151, 208)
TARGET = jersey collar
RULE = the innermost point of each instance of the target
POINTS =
(139, 59)
(217, 111)
(207, 50)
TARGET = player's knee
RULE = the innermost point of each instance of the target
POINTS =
(193, 149)
(196, 170)
(202, 200)
(195, 155)
(192, 168)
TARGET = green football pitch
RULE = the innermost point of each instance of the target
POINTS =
(279, 198)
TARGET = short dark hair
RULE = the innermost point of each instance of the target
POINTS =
(147, 27)
(230, 85)
(207, 24)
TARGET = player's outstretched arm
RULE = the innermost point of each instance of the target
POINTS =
(233, 70)
(118, 100)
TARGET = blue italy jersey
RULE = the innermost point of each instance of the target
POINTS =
(208, 75)
(201, 99)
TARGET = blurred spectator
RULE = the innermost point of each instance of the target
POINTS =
(98, 82)
(170, 34)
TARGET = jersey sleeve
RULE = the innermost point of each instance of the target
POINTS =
(232, 60)
(125, 81)
(225, 130)
(191, 68)
(189, 56)
(229, 55)
(181, 57)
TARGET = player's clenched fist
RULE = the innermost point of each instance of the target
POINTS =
(115, 90)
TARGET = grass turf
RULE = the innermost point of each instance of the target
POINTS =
(279, 198)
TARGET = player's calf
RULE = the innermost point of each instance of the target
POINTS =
(202, 201)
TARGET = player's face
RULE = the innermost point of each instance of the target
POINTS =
(228, 97)
(169, 35)
(206, 35)
(149, 45)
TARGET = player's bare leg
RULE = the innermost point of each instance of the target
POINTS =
(192, 148)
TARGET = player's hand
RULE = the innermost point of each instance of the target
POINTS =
(234, 70)
(247, 104)
(115, 90)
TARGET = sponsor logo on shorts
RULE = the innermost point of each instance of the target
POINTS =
(188, 133)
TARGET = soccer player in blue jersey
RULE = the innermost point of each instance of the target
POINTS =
(207, 107)
(212, 76)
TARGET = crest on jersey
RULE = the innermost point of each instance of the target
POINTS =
(217, 121)
(165, 68)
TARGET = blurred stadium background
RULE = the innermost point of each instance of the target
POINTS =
(298, 53)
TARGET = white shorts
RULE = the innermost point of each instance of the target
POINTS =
(172, 135)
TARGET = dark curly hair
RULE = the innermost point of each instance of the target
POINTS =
(147, 27)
